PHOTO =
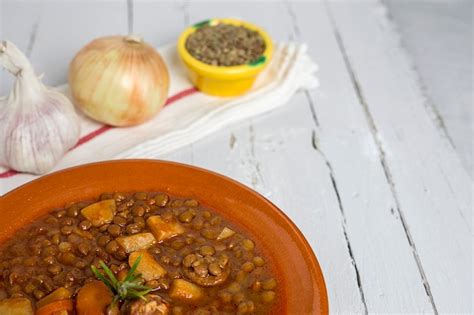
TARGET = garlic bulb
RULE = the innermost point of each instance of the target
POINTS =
(119, 80)
(37, 124)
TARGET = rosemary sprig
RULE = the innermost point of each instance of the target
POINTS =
(128, 289)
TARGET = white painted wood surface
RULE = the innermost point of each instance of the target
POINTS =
(443, 61)
(360, 164)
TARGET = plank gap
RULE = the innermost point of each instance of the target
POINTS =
(130, 16)
(315, 141)
(312, 108)
(257, 176)
(348, 243)
(232, 141)
(294, 20)
(32, 38)
(297, 34)
(184, 6)
(314, 144)
(416, 256)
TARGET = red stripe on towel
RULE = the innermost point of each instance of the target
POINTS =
(101, 130)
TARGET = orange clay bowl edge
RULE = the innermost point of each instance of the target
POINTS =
(301, 288)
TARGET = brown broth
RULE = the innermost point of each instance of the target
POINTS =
(58, 249)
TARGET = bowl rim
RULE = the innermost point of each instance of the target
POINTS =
(225, 72)
(308, 251)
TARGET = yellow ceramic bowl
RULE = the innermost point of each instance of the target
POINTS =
(220, 80)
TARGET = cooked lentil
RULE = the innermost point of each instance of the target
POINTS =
(57, 251)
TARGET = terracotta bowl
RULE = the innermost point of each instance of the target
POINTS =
(301, 284)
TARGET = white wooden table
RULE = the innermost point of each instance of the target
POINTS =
(361, 165)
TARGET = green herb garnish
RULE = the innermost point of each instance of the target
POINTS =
(128, 289)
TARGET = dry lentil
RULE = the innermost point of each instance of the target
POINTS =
(225, 45)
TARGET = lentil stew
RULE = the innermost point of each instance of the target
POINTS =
(190, 261)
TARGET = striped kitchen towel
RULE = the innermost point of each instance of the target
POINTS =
(188, 115)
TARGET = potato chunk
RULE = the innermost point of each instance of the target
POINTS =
(185, 291)
(148, 267)
(100, 212)
(16, 306)
(164, 229)
(56, 295)
(225, 233)
(136, 241)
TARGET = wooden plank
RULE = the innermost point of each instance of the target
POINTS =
(389, 277)
(66, 26)
(252, 174)
(241, 154)
(426, 29)
(160, 22)
(273, 155)
(19, 23)
(432, 190)
(281, 164)
(274, 19)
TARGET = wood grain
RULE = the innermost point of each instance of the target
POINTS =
(431, 187)
(391, 283)
(438, 67)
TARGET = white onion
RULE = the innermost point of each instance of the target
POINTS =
(119, 80)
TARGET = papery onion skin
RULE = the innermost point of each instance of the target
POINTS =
(120, 81)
